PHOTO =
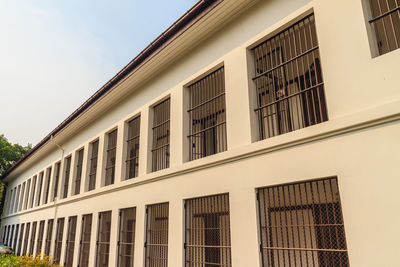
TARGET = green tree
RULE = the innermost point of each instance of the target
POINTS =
(10, 153)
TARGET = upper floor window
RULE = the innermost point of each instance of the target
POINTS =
(78, 174)
(161, 133)
(33, 189)
(47, 186)
(207, 128)
(111, 156)
(288, 80)
(39, 189)
(93, 165)
(57, 170)
(67, 170)
(385, 23)
(132, 156)
(27, 191)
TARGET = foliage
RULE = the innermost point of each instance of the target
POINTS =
(10, 260)
(10, 153)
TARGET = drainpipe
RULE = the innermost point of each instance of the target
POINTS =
(59, 180)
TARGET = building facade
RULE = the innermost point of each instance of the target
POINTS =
(250, 133)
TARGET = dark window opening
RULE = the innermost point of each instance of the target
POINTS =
(58, 241)
(78, 174)
(103, 239)
(85, 240)
(161, 134)
(56, 178)
(93, 165)
(126, 237)
(132, 157)
(111, 157)
(70, 243)
(67, 170)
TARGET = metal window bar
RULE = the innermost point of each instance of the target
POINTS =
(301, 224)
(33, 236)
(156, 245)
(56, 179)
(20, 239)
(207, 127)
(78, 174)
(207, 231)
(161, 135)
(288, 79)
(70, 242)
(111, 157)
(40, 238)
(67, 170)
(27, 191)
(132, 156)
(14, 247)
(103, 239)
(93, 165)
(25, 247)
(47, 186)
(21, 199)
(31, 200)
(386, 24)
(48, 236)
(58, 241)
(40, 185)
(86, 231)
(126, 237)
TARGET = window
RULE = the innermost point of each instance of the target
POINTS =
(67, 170)
(288, 80)
(56, 179)
(40, 238)
(103, 239)
(58, 241)
(207, 235)
(48, 236)
(156, 246)
(20, 238)
(85, 240)
(160, 150)
(11, 236)
(25, 248)
(78, 174)
(47, 186)
(17, 199)
(69, 250)
(16, 237)
(8, 235)
(33, 236)
(93, 165)
(40, 185)
(27, 190)
(126, 237)
(207, 128)
(132, 157)
(301, 224)
(32, 198)
(385, 23)
(111, 154)
(21, 200)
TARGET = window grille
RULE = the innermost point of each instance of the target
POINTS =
(3, 236)
(288, 79)
(17, 200)
(58, 241)
(47, 188)
(85, 240)
(301, 224)
(20, 239)
(40, 184)
(111, 156)
(27, 191)
(31, 201)
(161, 134)
(7, 234)
(156, 245)
(67, 170)
(126, 238)
(93, 165)
(48, 236)
(70, 243)
(386, 24)
(25, 247)
(207, 233)
(132, 157)
(11, 236)
(103, 239)
(78, 174)
(16, 237)
(33, 236)
(40, 238)
(56, 179)
(207, 128)
(21, 200)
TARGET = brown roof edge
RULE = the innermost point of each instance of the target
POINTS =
(199, 10)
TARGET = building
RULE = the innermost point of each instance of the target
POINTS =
(250, 133)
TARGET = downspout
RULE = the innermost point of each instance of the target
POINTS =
(59, 181)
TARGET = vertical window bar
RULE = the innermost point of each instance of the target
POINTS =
(47, 245)
(33, 236)
(85, 240)
(111, 156)
(126, 237)
(58, 241)
(78, 174)
(161, 134)
(47, 189)
(70, 242)
(93, 165)
(132, 157)
(67, 170)
(56, 179)
(40, 238)
(103, 239)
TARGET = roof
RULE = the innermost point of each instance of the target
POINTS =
(199, 10)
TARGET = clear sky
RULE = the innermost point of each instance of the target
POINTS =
(54, 54)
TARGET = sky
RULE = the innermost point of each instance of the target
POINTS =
(54, 54)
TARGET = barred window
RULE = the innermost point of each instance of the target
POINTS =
(7, 234)
(126, 237)
(207, 128)
(70, 243)
(288, 79)
(103, 239)
(26, 239)
(386, 24)
(132, 156)
(14, 247)
(20, 239)
(47, 186)
(301, 224)
(31, 200)
(56, 179)
(78, 174)
(33, 236)
(39, 193)
(27, 191)
(58, 241)
(111, 156)
(93, 165)
(47, 245)
(11, 236)
(17, 200)
(156, 245)
(21, 200)
(161, 135)
(85, 240)
(207, 233)
(67, 171)
(40, 238)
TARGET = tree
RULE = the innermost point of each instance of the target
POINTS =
(10, 153)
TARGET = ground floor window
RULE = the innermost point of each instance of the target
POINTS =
(103, 239)
(126, 239)
(58, 241)
(85, 240)
(70, 246)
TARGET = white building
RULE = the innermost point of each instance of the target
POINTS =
(250, 133)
